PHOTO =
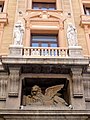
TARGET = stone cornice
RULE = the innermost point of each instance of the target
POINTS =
(28, 60)
(52, 111)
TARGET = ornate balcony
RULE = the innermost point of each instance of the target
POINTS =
(45, 52)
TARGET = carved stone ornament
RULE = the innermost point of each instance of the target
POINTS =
(44, 15)
(50, 98)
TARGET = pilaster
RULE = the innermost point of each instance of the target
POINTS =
(13, 93)
(77, 82)
(14, 82)
(28, 34)
(3, 85)
(86, 82)
(78, 101)
(61, 40)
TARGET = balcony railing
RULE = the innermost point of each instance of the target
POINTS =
(45, 52)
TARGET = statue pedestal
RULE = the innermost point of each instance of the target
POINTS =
(15, 50)
(75, 51)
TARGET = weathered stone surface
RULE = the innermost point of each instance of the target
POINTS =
(44, 114)
(75, 51)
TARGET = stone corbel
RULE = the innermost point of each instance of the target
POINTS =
(77, 82)
(14, 82)
(3, 85)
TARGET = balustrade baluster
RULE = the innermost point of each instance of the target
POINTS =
(27, 52)
(66, 53)
(31, 51)
(56, 52)
(59, 52)
(42, 52)
(52, 52)
(46, 52)
(38, 50)
(49, 52)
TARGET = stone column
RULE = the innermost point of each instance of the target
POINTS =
(14, 82)
(78, 101)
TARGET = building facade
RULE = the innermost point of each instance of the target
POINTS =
(45, 59)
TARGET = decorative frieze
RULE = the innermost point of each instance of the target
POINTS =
(13, 82)
(3, 85)
(77, 82)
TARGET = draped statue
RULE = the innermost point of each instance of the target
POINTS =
(72, 35)
(18, 33)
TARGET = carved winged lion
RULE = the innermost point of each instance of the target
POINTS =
(49, 98)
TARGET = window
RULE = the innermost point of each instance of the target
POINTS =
(1, 6)
(43, 6)
(44, 40)
(86, 10)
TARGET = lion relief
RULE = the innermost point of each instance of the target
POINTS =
(50, 98)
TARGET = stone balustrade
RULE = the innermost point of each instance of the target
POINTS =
(45, 52)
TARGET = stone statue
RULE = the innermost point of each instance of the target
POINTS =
(71, 35)
(18, 33)
(50, 98)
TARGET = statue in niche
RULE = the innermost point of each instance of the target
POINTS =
(18, 33)
(50, 98)
(72, 35)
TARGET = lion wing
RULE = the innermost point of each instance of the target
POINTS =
(51, 91)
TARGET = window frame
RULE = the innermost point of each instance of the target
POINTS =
(2, 6)
(47, 42)
(42, 5)
(86, 8)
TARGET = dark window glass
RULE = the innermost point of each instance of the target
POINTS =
(1, 6)
(44, 41)
(43, 6)
(86, 10)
